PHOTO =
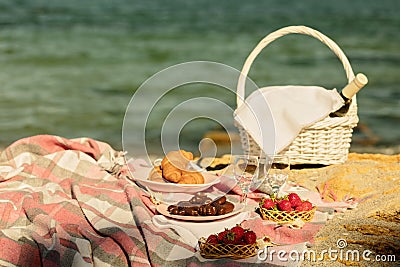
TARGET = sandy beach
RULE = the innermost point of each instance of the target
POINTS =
(373, 180)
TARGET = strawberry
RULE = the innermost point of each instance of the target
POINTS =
(294, 200)
(222, 235)
(267, 203)
(231, 238)
(284, 205)
(293, 196)
(250, 237)
(300, 208)
(238, 231)
(295, 203)
(212, 239)
(242, 242)
(306, 205)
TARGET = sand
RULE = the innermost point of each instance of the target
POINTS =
(374, 180)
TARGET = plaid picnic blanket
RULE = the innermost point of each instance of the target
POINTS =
(68, 202)
(64, 203)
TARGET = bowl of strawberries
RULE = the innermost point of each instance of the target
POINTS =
(234, 243)
(286, 209)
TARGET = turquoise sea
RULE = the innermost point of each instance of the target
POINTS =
(70, 68)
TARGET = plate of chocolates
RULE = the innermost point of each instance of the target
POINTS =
(201, 208)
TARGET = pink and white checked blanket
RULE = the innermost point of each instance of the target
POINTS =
(68, 203)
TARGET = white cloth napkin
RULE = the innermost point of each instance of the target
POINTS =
(275, 115)
(192, 231)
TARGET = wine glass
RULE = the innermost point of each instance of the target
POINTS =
(278, 172)
(247, 172)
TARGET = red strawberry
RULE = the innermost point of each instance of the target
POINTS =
(306, 205)
(242, 242)
(250, 237)
(212, 239)
(268, 204)
(222, 235)
(300, 208)
(284, 205)
(295, 203)
(293, 196)
(294, 200)
(231, 238)
(238, 231)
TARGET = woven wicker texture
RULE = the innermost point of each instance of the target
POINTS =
(217, 251)
(325, 142)
(287, 217)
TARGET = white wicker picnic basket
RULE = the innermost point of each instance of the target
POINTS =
(325, 142)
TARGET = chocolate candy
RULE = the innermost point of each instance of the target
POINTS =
(198, 199)
(201, 205)
(174, 210)
(220, 200)
(225, 208)
(207, 210)
(191, 211)
(184, 204)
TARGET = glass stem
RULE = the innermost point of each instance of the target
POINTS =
(243, 198)
(275, 190)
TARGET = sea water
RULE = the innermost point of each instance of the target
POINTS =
(70, 68)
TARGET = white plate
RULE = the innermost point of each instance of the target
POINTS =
(140, 170)
(162, 209)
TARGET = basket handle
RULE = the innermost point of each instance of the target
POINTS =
(282, 32)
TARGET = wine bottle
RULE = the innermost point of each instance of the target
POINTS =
(348, 92)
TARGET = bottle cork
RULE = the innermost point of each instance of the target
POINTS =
(354, 86)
